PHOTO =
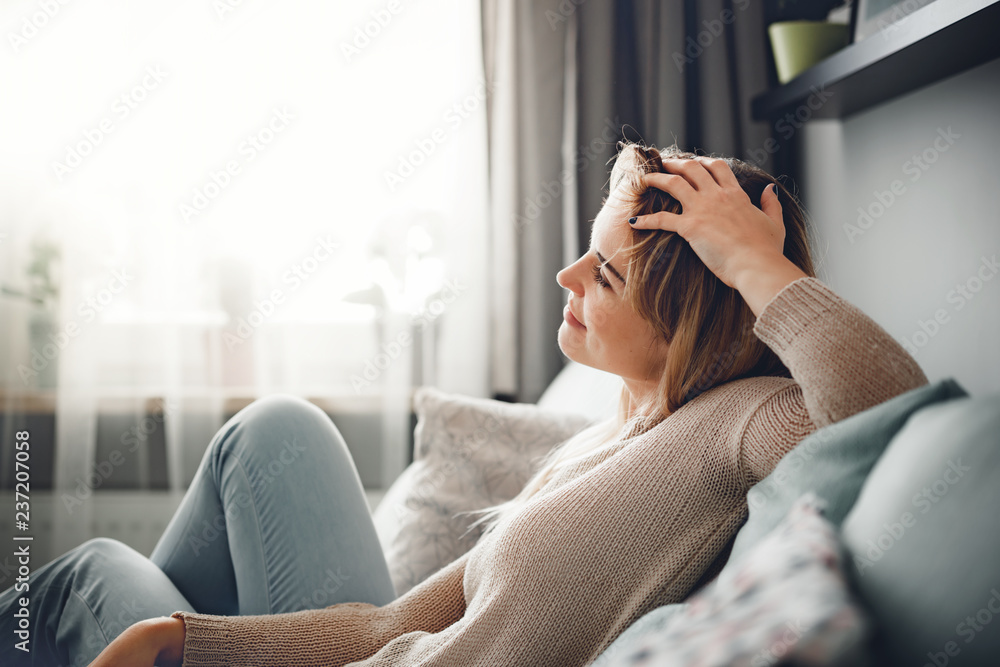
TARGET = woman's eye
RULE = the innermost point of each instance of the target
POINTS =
(599, 279)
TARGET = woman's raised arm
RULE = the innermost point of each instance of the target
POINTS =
(842, 361)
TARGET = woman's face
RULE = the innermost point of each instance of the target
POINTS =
(599, 328)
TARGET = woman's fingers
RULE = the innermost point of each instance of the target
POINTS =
(770, 205)
(693, 171)
(668, 222)
(720, 170)
(688, 187)
(674, 185)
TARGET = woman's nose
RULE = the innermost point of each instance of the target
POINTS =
(567, 278)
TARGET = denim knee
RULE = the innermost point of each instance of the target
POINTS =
(280, 427)
(109, 565)
(120, 557)
(107, 546)
(91, 566)
(281, 405)
(96, 591)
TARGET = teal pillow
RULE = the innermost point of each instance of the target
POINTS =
(924, 541)
(833, 462)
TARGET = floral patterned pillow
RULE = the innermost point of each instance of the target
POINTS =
(785, 603)
(469, 453)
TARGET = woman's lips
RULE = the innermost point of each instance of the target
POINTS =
(569, 317)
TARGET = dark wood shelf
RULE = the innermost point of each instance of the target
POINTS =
(934, 42)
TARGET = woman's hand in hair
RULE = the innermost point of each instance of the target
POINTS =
(738, 242)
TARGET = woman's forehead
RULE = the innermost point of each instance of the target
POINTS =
(609, 232)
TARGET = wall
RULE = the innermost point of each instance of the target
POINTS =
(922, 259)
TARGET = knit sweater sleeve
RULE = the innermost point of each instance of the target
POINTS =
(335, 635)
(842, 363)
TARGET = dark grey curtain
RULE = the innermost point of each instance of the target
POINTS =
(568, 79)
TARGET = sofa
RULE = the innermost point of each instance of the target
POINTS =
(876, 540)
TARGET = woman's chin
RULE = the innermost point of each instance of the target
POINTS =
(566, 343)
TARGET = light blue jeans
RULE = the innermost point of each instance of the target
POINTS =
(274, 521)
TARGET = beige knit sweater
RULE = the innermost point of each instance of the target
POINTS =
(617, 535)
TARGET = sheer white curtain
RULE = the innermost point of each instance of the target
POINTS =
(246, 197)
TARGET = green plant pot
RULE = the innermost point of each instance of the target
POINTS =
(798, 45)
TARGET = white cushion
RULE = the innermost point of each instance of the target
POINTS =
(469, 453)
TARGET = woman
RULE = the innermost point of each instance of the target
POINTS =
(702, 302)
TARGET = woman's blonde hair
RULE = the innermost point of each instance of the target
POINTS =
(707, 324)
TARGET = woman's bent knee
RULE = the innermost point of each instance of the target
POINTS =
(281, 406)
(106, 546)
(101, 557)
(282, 426)
(83, 599)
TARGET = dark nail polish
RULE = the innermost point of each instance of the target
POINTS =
(631, 221)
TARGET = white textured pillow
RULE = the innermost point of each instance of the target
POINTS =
(469, 453)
